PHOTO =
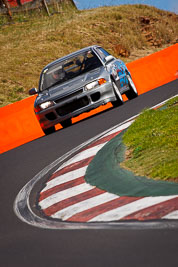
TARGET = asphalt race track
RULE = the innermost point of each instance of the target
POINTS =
(27, 246)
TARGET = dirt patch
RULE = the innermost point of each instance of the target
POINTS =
(149, 30)
(120, 50)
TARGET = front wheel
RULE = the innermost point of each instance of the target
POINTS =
(132, 93)
(119, 100)
(49, 130)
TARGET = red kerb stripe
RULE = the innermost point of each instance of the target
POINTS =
(72, 200)
(72, 167)
(103, 140)
(61, 187)
(154, 212)
(110, 205)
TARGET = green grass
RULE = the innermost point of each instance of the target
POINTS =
(152, 143)
(34, 39)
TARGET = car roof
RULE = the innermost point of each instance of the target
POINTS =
(92, 47)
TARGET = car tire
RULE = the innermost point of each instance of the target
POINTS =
(66, 123)
(132, 93)
(119, 100)
(49, 130)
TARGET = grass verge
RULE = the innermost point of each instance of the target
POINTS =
(151, 142)
(35, 39)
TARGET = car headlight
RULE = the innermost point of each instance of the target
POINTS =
(44, 105)
(94, 84)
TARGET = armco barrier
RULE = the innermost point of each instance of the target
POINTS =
(18, 124)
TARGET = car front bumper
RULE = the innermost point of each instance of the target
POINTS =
(74, 105)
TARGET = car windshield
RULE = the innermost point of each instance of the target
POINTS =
(68, 69)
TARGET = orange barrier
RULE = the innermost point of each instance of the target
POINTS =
(156, 69)
(18, 124)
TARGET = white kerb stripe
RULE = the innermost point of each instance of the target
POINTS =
(120, 128)
(84, 205)
(97, 148)
(171, 215)
(118, 213)
(67, 177)
(86, 153)
(62, 195)
(83, 155)
(93, 150)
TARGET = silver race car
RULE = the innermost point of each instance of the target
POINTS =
(79, 82)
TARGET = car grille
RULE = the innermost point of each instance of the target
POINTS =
(67, 97)
(71, 107)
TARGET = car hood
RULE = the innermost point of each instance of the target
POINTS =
(68, 87)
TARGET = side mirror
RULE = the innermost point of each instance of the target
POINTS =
(33, 91)
(108, 59)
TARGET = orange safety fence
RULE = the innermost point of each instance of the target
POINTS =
(18, 124)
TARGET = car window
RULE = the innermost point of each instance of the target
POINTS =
(69, 69)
